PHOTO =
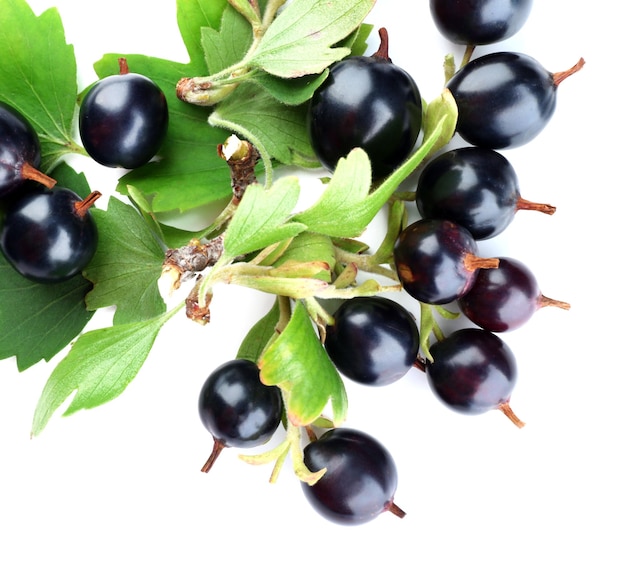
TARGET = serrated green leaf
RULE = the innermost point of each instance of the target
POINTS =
(262, 217)
(127, 265)
(302, 39)
(192, 16)
(297, 362)
(98, 368)
(259, 335)
(226, 46)
(343, 197)
(38, 75)
(256, 114)
(38, 320)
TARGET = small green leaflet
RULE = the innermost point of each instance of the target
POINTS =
(297, 362)
(262, 218)
(38, 75)
(98, 367)
(38, 320)
(300, 40)
(220, 48)
(127, 265)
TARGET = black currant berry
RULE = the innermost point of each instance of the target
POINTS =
(436, 260)
(49, 235)
(479, 22)
(360, 480)
(504, 99)
(473, 371)
(373, 341)
(123, 119)
(237, 408)
(366, 102)
(474, 187)
(505, 298)
(20, 152)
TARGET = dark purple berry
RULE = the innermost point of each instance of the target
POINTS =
(366, 102)
(123, 119)
(474, 187)
(360, 479)
(504, 99)
(20, 152)
(479, 22)
(473, 371)
(436, 260)
(373, 341)
(505, 298)
(49, 235)
(237, 408)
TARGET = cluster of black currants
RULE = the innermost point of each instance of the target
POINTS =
(463, 195)
(48, 233)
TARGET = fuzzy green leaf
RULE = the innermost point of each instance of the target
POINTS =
(311, 247)
(253, 111)
(262, 217)
(98, 368)
(127, 265)
(297, 362)
(302, 39)
(226, 46)
(38, 75)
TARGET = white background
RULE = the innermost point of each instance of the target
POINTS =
(121, 483)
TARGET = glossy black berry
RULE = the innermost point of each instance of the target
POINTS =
(373, 341)
(20, 152)
(505, 298)
(504, 99)
(475, 187)
(123, 120)
(365, 102)
(479, 22)
(49, 235)
(237, 408)
(360, 480)
(473, 371)
(436, 260)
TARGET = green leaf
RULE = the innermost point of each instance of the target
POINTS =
(38, 320)
(228, 45)
(38, 75)
(297, 362)
(98, 367)
(262, 217)
(260, 335)
(343, 197)
(192, 16)
(252, 111)
(310, 247)
(127, 265)
(301, 39)
(291, 91)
